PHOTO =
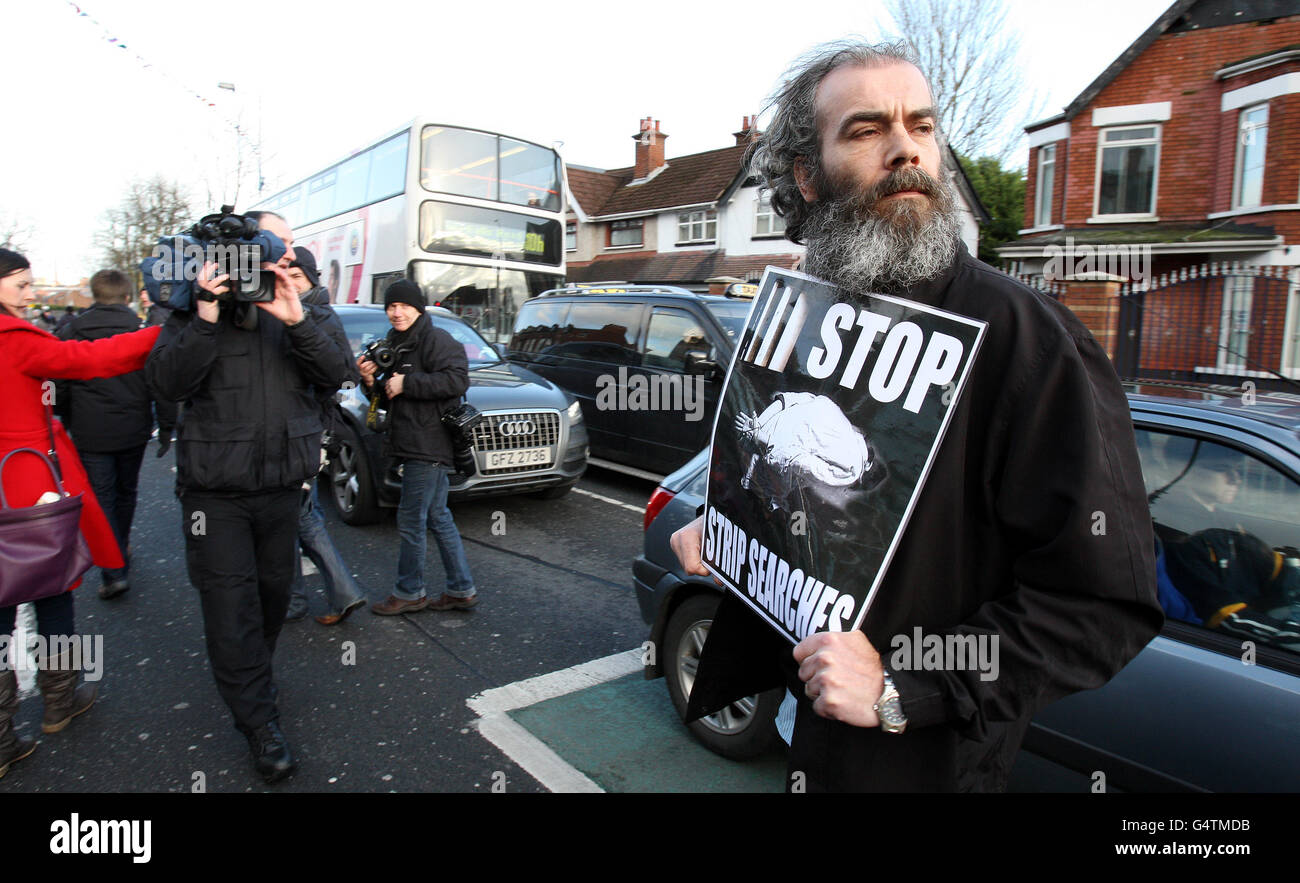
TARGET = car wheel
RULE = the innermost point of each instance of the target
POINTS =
(352, 481)
(745, 728)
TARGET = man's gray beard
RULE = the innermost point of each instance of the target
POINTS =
(858, 249)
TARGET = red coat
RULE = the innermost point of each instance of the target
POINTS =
(28, 357)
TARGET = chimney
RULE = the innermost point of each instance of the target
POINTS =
(748, 131)
(649, 149)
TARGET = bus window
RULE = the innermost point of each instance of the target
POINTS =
(529, 175)
(459, 161)
(387, 168)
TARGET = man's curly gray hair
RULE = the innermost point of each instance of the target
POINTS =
(793, 132)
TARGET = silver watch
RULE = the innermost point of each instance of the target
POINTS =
(889, 708)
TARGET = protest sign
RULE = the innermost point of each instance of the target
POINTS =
(833, 409)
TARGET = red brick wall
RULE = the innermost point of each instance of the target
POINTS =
(1198, 144)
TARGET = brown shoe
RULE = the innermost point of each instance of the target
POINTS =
(451, 602)
(394, 605)
(336, 618)
(64, 698)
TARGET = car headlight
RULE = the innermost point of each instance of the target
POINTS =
(575, 412)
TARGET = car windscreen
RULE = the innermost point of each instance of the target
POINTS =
(731, 315)
(365, 325)
(477, 350)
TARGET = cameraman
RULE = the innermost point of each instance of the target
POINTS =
(250, 435)
(429, 377)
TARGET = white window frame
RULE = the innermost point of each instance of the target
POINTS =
(1239, 164)
(707, 219)
(570, 225)
(763, 211)
(1041, 218)
(1097, 216)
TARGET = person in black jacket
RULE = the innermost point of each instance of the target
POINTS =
(250, 434)
(342, 591)
(430, 376)
(112, 419)
(1032, 528)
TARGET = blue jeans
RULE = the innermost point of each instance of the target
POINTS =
(340, 588)
(424, 508)
(115, 477)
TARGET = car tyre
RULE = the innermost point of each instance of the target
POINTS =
(352, 483)
(745, 728)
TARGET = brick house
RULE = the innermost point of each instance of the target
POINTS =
(690, 219)
(1181, 157)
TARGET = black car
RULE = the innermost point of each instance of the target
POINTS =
(532, 438)
(1211, 704)
(646, 362)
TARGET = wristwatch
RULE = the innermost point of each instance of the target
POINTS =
(889, 708)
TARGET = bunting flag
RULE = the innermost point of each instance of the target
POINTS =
(113, 40)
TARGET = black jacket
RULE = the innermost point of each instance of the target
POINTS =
(250, 420)
(331, 413)
(1032, 526)
(436, 375)
(112, 413)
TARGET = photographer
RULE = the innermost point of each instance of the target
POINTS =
(428, 377)
(250, 435)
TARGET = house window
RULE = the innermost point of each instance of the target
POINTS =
(626, 233)
(1126, 171)
(1043, 187)
(766, 221)
(699, 226)
(571, 236)
(1252, 139)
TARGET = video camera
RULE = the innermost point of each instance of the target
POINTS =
(233, 242)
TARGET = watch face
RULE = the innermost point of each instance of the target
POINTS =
(892, 714)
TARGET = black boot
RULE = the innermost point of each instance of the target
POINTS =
(271, 755)
(64, 699)
(12, 749)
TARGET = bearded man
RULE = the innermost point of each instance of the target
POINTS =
(1032, 527)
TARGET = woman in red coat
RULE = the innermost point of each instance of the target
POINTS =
(29, 357)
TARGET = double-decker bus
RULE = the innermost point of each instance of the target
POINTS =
(475, 218)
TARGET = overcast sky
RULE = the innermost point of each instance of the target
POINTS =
(85, 116)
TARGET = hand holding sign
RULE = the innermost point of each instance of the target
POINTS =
(843, 675)
(687, 543)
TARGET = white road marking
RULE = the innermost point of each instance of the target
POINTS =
(539, 761)
(639, 510)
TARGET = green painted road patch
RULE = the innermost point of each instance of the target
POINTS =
(626, 737)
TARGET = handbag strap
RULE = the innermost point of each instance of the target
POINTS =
(58, 481)
(54, 455)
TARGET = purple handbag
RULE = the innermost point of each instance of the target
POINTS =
(42, 551)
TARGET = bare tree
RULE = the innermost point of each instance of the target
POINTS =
(971, 58)
(149, 209)
(15, 234)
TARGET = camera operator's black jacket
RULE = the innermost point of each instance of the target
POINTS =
(110, 413)
(436, 375)
(250, 420)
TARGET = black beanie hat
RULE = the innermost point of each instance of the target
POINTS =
(404, 291)
(306, 261)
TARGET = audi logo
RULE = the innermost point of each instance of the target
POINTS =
(516, 427)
